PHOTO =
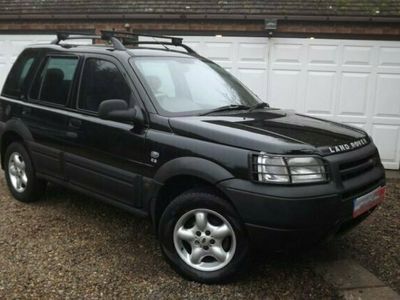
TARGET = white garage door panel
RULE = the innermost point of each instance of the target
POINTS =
(320, 92)
(323, 55)
(349, 81)
(389, 136)
(356, 56)
(353, 94)
(387, 98)
(389, 56)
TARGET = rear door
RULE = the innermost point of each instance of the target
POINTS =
(46, 112)
(104, 157)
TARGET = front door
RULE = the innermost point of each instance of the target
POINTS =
(104, 157)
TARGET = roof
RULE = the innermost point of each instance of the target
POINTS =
(192, 9)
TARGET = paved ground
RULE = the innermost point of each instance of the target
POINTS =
(69, 246)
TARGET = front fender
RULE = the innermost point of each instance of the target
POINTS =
(192, 166)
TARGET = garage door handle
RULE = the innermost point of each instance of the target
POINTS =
(75, 123)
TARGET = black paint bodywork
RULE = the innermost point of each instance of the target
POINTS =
(111, 160)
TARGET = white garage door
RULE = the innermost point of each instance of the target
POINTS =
(349, 81)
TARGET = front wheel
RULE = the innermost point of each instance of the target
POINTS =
(202, 237)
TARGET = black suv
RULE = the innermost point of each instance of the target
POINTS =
(156, 129)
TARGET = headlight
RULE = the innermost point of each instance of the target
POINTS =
(272, 169)
(278, 169)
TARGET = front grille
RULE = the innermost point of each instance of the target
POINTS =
(356, 167)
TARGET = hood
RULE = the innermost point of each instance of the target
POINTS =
(272, 131)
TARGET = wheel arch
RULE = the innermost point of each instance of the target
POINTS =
(14, 130)
(182, 174)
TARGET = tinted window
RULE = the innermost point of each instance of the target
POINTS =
(16, 80)
(54, 82)
(101, 80)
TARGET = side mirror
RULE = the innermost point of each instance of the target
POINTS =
(117, 110)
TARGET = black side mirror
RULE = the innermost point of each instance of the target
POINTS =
(117, 110)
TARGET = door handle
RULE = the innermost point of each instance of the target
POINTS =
(75, 123)
(26, 111)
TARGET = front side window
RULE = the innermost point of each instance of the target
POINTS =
(16, 80)
(190, 85)
(54, 83)
(101, 80)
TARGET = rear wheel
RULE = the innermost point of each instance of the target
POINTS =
(20, 174)
(202, 237)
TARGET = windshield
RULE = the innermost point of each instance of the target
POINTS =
(191, 86)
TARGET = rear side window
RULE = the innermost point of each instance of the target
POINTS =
(53, 84)
(16, 80)
(101, 80)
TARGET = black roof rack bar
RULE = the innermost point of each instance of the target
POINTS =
(131, 37)
(187, 48)
(66, 35)
(174, 40)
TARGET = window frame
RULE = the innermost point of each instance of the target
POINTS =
(119, 67)
(43, 64)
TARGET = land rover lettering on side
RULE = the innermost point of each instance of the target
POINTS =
(158, 130)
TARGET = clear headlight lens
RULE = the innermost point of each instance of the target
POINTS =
(272, 169)
(277, 169)
(306, 169)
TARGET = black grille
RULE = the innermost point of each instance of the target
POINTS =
(356, 167)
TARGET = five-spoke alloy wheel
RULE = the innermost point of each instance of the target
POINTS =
(205, 240)
(17, 172)
(202, 237)
(20, 174)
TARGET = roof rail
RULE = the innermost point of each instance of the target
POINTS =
(133, 39)
(69, 35)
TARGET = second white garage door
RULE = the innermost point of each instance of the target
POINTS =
(349, 81)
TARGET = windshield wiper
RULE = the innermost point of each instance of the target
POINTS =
(226, 108)
(258, 105)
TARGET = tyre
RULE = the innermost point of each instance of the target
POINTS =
(20, 174)
(202, 237)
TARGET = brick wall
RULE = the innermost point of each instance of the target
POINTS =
(242, 27)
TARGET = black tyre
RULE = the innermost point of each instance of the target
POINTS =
(202, 237)
(20, 174)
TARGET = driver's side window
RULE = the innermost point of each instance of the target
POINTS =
(101, 80)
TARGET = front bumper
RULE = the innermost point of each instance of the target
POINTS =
(299, 216)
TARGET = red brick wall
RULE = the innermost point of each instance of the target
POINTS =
(252, 27)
